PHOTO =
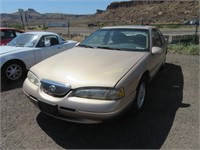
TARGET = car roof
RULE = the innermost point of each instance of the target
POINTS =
(130, 27)
(7, 28)
(31, 32)
(41, 33)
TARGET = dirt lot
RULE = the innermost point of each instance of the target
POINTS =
(170, 119)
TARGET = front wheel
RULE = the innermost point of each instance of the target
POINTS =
(141, 92)
(13, 71)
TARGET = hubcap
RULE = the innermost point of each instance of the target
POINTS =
(14, 72)
(141, 95)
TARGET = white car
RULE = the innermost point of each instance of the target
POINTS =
(28, 49)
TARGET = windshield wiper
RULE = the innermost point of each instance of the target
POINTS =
(86, 46)
(107, 47)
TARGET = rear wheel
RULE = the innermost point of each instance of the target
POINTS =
(13, 71)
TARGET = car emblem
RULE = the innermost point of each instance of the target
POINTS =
(52, 88)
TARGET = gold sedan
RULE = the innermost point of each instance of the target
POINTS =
(101, 77)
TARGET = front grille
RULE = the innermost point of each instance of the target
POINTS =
(55, 89)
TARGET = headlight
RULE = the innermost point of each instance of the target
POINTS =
(33, 78)
(100, 93)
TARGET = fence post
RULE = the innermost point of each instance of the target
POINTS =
(196, 33)
(68, 30)
(142, 21)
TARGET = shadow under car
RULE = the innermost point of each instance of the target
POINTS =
(147, 130)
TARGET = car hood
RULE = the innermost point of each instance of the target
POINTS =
(9, 49)
(86, 67)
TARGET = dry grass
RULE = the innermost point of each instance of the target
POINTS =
(191, 49)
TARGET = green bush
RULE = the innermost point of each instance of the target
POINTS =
(17, 26)
(187, 49)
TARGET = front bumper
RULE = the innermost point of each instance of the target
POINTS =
(74, 109)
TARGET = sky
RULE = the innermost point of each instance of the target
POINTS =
(55, 6)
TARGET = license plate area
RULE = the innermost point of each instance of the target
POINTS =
(50, 109)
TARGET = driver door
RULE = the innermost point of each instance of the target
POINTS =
(46, 47)
(157, 59)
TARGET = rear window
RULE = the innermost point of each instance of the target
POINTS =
(5, 34)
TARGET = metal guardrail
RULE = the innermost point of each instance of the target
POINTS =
(182, 39)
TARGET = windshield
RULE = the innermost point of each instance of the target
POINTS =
(118, 39)
(24, 40)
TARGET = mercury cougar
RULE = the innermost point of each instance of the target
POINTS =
(99, 78)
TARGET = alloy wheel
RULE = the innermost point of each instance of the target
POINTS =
(13, 72)
(141, 95)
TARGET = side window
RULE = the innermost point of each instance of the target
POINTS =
(17, 33)
(47, 41)
(6, 34)
(41, 42)
(54, 41)
(156, 40)
(161, 36)
(2, 34)
(51, 40)
(12, 34)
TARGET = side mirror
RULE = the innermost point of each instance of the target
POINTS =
(156, 50)
(78, 43)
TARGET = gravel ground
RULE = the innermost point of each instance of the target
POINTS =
(170, 119)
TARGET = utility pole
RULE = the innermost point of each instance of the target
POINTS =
(21, 11)
(5, 23)
(196, 32)
(26, 18)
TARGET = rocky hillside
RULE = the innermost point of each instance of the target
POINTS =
(36, 18)
(125, 12)
(151, 12)
(131, 3)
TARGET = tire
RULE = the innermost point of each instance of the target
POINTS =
(141, 93)
(13, 71)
